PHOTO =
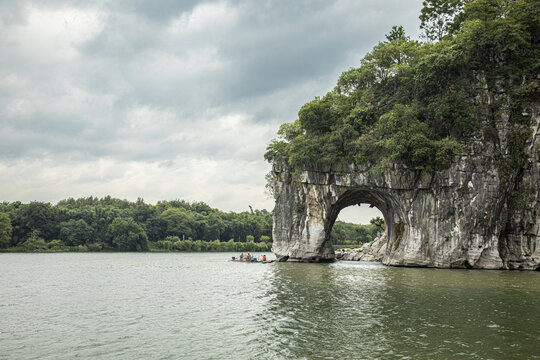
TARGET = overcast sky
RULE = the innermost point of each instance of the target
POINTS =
(167, 99)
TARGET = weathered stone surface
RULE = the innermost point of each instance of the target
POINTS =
(471, 215)
(368, 252)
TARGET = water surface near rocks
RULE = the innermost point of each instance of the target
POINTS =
(202, 306)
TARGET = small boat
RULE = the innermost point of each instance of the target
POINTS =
(251, 261)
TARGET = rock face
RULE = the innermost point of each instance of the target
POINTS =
(475, 214)
(368, 252)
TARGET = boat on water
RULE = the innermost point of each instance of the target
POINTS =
(251, 261)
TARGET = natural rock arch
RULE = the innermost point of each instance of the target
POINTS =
(464, 216)
(382, 200)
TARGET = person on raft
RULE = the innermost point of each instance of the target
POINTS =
(241, 256)
(264, 258)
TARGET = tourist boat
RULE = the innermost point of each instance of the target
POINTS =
(251, 261)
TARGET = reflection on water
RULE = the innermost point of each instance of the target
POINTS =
(314, 313)
(201, 306)
(363, 310)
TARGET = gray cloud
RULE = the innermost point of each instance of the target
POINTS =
(156, 84)
(157, 12)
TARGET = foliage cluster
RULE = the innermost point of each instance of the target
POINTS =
(5, 230)
(93, 224)
(417, 103)
(175, 244)
(352, 234)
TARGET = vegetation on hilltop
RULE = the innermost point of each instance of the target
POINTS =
(417, 103)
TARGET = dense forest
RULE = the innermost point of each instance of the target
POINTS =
(94, 224)
(418, 103)
(346, 234)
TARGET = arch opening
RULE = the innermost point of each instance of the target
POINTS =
(356, 225)
(359, 214)
(384, 202)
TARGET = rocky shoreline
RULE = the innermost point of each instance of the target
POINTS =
(373, 251)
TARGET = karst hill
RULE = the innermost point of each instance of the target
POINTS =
(441, 136)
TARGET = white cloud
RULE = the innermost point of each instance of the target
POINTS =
(52, 34)
(206, 17)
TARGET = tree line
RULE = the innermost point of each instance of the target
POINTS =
(112, 224)
(344, 233)
(94, 224)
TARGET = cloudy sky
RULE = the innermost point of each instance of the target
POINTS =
(167, 99)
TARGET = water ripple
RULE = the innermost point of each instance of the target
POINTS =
(200, 306)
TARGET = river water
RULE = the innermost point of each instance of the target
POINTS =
(201, 306)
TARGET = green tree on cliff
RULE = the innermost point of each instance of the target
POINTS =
(440, 18)
(378, 222)
(397, 33)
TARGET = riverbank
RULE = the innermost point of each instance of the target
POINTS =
(41, 246)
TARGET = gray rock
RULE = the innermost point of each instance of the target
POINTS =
(373, 251)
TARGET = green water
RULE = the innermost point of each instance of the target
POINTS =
(201, 306)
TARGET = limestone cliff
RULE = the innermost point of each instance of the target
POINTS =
(478, 213)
